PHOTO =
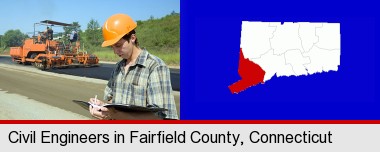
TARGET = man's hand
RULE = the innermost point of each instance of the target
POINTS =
(99, 111)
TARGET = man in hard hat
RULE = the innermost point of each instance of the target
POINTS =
(140, 78)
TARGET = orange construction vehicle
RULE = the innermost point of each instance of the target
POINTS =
(44, 52)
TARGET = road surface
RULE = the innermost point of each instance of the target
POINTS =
(103, 71)
(29, 93)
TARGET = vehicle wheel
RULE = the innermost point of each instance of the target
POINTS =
(32, 57)
(44, 64)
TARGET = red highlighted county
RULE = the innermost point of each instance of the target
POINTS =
(251, 74)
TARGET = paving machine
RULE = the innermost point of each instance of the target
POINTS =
(45, 52)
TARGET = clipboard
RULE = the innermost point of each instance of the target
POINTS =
(122, 107)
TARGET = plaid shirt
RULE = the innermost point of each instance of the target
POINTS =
(147, 82)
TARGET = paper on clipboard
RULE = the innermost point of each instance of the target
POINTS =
(121, 107)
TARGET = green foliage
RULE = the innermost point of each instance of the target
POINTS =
(13, 38)
(172, 58)
(69, 29)
(1, 41)
(93, 34)
(161, 37)
(75, 27)
(3, 48)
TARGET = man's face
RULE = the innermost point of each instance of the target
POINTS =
(123, 49)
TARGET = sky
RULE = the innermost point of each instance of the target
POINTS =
(22, 14)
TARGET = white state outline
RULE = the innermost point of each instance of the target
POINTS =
(332, 61)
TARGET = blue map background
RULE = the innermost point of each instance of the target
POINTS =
(210, 44)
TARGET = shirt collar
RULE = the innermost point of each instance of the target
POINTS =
(141, 59)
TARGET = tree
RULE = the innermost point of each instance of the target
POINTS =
(174, 13)
(1, 41)
(139, 23)
(93, 33)
(151, 18)
(13, 38)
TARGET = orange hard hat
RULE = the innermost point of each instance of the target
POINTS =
(116, 27)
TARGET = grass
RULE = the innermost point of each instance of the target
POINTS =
(105, 54)
(169, 58)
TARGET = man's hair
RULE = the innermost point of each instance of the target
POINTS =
(127, 37)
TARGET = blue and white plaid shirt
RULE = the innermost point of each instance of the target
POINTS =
(147, 82)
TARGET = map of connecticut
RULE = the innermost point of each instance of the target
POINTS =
(269, 49)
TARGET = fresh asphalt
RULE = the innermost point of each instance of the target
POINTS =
(103, 71)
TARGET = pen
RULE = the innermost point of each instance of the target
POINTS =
(96, 96)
